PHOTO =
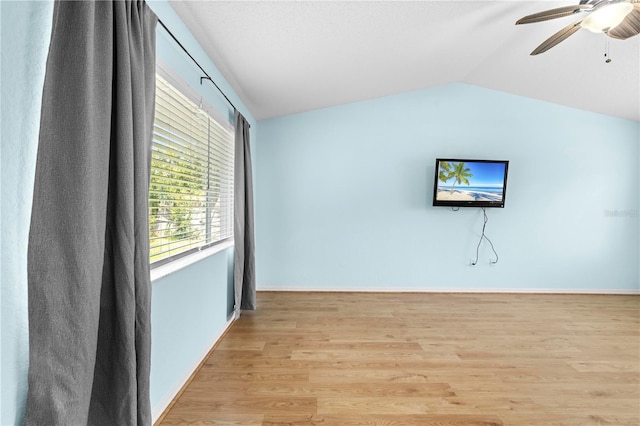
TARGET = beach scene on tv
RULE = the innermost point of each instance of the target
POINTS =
(470, 181)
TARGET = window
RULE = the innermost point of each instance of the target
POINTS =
(191, 186)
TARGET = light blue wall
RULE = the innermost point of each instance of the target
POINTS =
(25, 31)
(189, 307)
(189, 312)
(344, 199)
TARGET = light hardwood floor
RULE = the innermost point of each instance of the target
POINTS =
(422, 359)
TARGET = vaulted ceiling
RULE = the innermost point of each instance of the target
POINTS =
(286, 57)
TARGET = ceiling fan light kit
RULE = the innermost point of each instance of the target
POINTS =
(618, 19)
(606, 17)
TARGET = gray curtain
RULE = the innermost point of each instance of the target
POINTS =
(244, 270)
(88, 256)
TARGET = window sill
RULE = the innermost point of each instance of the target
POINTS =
(171, 267)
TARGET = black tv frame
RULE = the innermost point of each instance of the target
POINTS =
(464, 203)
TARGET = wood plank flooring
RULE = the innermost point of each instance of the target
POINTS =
(422, 359)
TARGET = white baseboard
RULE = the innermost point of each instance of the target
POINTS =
(612, 291)
(157, 411)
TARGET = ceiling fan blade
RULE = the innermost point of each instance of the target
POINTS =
(561, 35)
(554, 13)
(629, 27)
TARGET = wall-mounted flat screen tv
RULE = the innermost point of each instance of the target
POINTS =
(470, 183)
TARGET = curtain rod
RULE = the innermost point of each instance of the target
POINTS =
(207, 76)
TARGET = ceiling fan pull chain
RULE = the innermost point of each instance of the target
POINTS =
(607, 57)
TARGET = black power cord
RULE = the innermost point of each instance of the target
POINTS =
(484, 225)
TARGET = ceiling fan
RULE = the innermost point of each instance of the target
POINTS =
(618, 19)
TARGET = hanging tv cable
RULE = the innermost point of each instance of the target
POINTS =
(484, 236)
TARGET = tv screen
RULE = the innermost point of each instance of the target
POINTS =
(470, 183)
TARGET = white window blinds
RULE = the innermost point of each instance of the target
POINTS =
(191, 186)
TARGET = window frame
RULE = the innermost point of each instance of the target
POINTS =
(179, 260)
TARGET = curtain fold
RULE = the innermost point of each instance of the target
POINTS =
(244, 275)
(89, 289)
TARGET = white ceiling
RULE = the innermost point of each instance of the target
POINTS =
(285, 57)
